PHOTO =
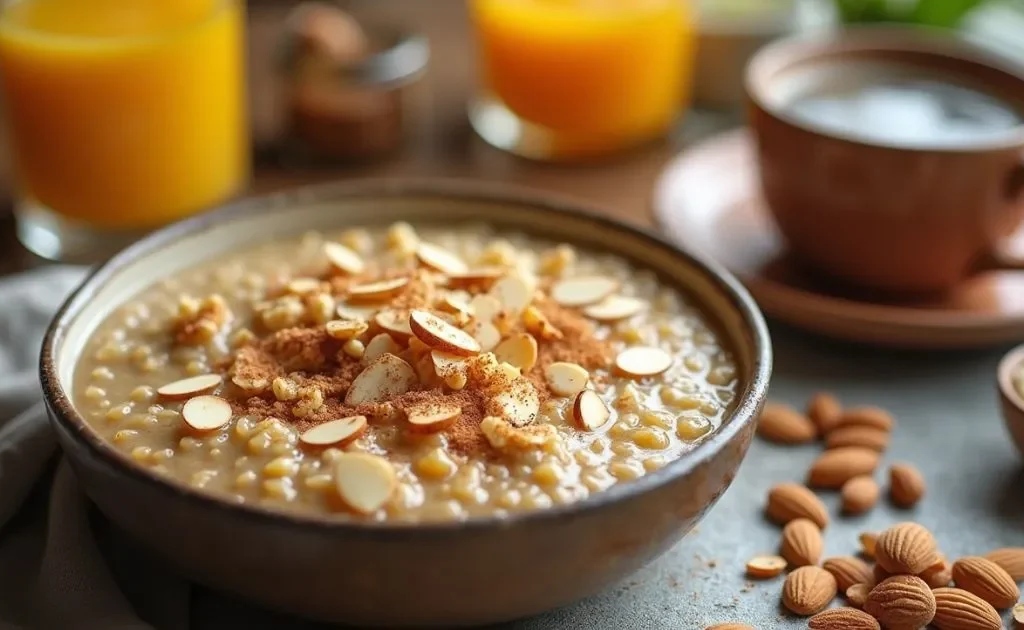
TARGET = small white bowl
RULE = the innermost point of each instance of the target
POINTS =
(1010, 397)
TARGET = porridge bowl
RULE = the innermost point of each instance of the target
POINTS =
(1010, 381)
(406, 403)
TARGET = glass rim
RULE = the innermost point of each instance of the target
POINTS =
(39, 36)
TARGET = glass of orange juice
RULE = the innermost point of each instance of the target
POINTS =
(122, 115)
(573, 79)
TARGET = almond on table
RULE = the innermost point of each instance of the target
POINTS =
(783, 424)
(410, 373)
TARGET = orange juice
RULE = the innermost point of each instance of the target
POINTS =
(125, 114)
(595, 75)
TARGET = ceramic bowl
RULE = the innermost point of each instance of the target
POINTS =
(1010, 397)
(390, 574)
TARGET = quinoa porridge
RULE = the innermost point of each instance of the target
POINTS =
(407, 374)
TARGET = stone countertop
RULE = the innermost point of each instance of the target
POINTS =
(948, 425)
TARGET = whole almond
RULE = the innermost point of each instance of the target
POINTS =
(956, 609)
(867, 417)
(808, 590)
(856, 435)
(788, 501)
(1011, 559)
(902, 602)
(785, 425)
(848, 570)
(824, 411)
(987, 580)
(859, 494)
(837, 466)
(801, 542)
(730, 626)
(858, 594)
(906, 548)
(939, 574)
(906, 485)
(842, 619)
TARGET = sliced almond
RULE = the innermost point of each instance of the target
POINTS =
(188, 387)
(566, 379)
(380, 344)
(485, 333)
(337, 433)
(345, 329)
(364, 482)
(355, 311)
(440, 335)
(589, 411)
(447, 364)
(395, 323)
(485, 307)
(302, 286)
(643, 361)
(519, 350)
(344, 259)
(483, 277)
(514, 294)
(432, 417)
(518, 404)
(456, 302)
(382, 380)
(206, 413)
(440, 259)
(583, 290)
(615, 308)
(765, 567)
(377, 291)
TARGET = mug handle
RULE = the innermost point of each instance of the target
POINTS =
(1001, 258)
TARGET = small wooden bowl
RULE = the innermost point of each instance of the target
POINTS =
(1010, 398)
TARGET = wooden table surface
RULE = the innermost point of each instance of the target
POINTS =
(441, 142)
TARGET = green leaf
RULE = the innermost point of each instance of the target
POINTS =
(943, 13)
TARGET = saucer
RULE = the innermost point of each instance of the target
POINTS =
(708, 200)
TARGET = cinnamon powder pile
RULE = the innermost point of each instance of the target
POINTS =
(310, 357)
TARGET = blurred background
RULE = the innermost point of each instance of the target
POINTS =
(266, 94)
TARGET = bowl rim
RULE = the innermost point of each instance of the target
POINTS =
(818, 47)
(63, 413)
(1012, 360)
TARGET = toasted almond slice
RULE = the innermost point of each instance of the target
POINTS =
(395, 323)
(483, 277)
(447, 364)
(302, 286)
(440, 259)
(337, 433)
(485, 307)
(206, 413)
(514, 294)
(589, 411)
(440, 335)
(345, 329)
(377, 291)
(382, 380)
(518, 405)
(764, 567)
(485, 333)
(380, 344)
(344, 259)
(643, 361)
(519, 350)
(566, 379)
(365, 482)
(355, 311)
(615, 308)
(583, 290)
(432, 417)
(188, 387)
(456, 302)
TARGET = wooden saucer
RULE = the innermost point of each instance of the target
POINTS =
(708, 200)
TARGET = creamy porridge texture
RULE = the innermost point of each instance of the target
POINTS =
(407, 374)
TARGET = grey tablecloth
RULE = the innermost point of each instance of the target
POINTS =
(63, 566)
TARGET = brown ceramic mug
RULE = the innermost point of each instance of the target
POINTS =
(878, 214)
